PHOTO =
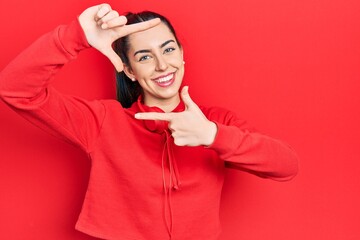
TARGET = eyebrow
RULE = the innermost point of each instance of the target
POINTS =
(161, 46)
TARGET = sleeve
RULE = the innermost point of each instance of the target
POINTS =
(241, 147)
(25, 87)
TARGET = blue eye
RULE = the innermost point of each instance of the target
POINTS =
(143, 58)
(170, 49)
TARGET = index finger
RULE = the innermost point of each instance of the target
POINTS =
(137, 27)
(154, 116)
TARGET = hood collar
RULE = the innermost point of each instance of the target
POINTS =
(157, 126)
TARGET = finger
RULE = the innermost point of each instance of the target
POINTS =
(109, 16)
(116, 22)
(114, 59)
(137, 27)
(185, 96)
(154, 116)
(171, 128)
(179, 141)
(103, 10)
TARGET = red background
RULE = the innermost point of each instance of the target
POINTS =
(290, 67)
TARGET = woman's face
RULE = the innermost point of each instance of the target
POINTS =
(156, 62)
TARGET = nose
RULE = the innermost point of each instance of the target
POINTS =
(161, 64)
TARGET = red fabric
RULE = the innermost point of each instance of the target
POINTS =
(142, 186)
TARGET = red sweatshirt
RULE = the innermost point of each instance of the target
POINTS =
(142, 186)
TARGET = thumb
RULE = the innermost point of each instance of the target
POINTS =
(186, 97)
(114, 59)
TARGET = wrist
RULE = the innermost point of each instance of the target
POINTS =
(210, 133)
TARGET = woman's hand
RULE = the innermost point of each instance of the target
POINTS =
(102, 26)
(190, 127)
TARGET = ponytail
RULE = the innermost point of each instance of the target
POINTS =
(127, 91)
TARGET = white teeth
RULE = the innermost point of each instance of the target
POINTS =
(165, 79)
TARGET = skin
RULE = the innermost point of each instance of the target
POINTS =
(157, 55)
(102, 26)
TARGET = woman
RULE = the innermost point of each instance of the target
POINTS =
(158, 160)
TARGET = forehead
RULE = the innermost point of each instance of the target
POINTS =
(150, 38)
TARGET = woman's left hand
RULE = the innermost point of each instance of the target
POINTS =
(190, 127)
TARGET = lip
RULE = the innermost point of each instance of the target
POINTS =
(167, 83)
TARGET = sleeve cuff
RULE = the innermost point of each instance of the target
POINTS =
(72, 38)
(226, 140)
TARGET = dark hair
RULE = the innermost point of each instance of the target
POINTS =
(127, 91)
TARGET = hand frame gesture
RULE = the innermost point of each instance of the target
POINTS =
(102, 26)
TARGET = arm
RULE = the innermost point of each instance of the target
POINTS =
(25, 87)
(245, 149)
(25, 82)
(237, 145)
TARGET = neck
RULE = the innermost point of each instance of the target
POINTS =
(167, 105)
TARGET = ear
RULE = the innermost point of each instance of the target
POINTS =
(129, 73)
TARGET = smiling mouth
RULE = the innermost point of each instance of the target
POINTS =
(165, 81)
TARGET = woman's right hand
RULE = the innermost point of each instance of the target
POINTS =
(102, 26)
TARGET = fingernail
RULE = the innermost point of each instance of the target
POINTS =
(104, 26)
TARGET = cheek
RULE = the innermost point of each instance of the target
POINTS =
(176, 62)
(180, 58)
(143, 70)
